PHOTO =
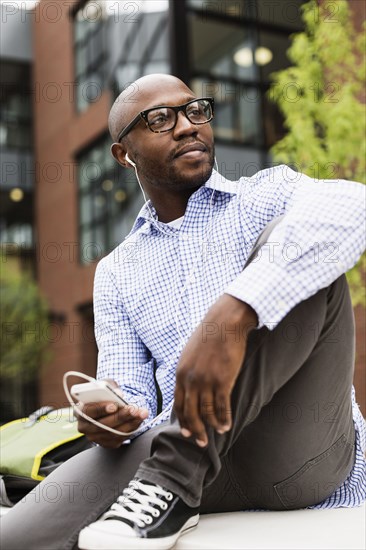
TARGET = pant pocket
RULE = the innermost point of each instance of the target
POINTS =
(318, 478)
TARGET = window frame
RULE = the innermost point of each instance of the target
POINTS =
(105, 221)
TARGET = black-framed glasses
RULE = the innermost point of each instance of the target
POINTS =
(164, 118)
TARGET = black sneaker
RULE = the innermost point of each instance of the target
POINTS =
(144, 516)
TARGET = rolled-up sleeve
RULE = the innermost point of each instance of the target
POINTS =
(320, 237)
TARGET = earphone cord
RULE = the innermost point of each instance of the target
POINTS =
(160, 229)
(77, 409)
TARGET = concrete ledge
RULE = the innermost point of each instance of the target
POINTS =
(335, 529)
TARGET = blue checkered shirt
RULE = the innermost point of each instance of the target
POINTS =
(153, 290)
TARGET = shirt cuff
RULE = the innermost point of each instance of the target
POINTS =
(269, 290)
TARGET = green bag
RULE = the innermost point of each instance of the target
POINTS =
(31, 448)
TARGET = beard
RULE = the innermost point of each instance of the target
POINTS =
(169, 177)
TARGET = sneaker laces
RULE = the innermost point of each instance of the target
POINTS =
(136, 504)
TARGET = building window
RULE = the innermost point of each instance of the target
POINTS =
(116, 43)
(285, 14)
(16, 121)
(235, 45)
(141, 48)
(16, 125)
(109, 200)
(17, 163)
(90, 27)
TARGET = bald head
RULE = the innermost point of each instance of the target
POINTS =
(136, 97)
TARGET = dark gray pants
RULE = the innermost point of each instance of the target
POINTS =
(292, 440)
(291, 444)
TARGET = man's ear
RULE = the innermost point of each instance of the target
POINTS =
(119, 153)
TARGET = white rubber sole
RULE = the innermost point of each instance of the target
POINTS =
(91, 538)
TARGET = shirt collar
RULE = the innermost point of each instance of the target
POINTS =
(220, 183)
(216, 181)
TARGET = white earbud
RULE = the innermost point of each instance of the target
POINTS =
(130, 161)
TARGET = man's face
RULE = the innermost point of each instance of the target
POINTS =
(179, 159)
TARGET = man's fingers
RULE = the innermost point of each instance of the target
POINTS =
(102, 437)
(128, 426)
(107, 408)
(207, 409)
(178, 404)
(186, 409)
(121, 416)
(192, 419)
(222, 408)
(108, 439)
(94, 410)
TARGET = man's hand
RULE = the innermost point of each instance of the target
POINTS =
(125, 419)
(209, 366)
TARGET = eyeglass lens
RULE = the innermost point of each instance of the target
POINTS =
(164, 118)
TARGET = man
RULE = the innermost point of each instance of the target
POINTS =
(230, 298)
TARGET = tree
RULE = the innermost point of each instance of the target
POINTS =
(24, 323)
(321, 99)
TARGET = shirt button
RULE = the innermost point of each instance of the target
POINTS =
(185, 237)
(281, 305)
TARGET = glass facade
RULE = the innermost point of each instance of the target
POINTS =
(109, 201)
(17, 165)
(15, 121)
(90, 27)
(277, 13)
(143, 48)
(234, 47)
(117, 42)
